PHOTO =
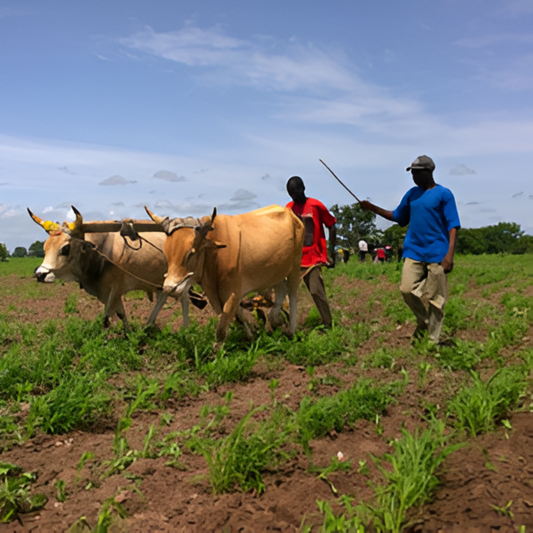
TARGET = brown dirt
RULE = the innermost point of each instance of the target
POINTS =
(488, 472)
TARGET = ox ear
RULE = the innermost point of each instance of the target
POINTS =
(47, 225)
(165, 222)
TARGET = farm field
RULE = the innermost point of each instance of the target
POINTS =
(358, 428)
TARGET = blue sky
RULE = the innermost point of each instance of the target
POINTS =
(186, 105)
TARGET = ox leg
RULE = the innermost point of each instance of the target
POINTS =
(246, 322)
(293, 283)
(161, 298)
(115, 306)
(274, 315)
(228, 314)
(185, 308)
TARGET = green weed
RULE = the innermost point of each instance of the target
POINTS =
(479, 407)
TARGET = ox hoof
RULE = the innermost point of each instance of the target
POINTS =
(218, 346)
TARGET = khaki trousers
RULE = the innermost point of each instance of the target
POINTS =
(314, 282)
(424, 288)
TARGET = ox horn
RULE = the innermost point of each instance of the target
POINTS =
(75, 228)
(47, 225)
(164, 221)
(213, 216)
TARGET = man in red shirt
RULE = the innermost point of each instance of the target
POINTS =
(315, 215)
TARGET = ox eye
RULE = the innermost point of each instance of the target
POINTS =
(65, 250)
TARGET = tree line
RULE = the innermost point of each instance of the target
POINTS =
(354, 224)
(35, 250)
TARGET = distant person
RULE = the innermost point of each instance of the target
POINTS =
(380, 254)
(429, 246)
(315, 215)
(345, 255)
(363, 250)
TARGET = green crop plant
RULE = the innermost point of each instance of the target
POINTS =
(78, 401)
(335, 465)
(322, 346)
(465, 355)
(477, 408)
(15, 486)
(169, 448)
(347, 522)
(410, 477)
(180, 384)
(238, 460)
(106, 518)
(316, 418)
(381, 358)
(61, 490)
(225, 368)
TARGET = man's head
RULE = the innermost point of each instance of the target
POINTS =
(422, 171)
(296, 189)
(422, 162)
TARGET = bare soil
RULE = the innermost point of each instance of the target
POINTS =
(477, 480)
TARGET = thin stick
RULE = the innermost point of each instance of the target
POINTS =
(333, 173)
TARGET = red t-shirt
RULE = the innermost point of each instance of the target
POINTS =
(314, 214)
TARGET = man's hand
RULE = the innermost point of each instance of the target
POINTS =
(447, 264)
(330, 264)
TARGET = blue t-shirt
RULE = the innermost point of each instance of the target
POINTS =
(431, 215)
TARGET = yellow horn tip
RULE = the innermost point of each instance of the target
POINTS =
(50, 226)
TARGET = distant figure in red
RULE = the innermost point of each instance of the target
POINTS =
(380, 254)
(315, 215)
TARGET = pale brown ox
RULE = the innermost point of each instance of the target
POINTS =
(230, 256)
(73, 256)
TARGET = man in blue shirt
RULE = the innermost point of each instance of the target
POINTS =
(430, 211)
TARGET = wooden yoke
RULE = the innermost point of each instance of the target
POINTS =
(128, 224)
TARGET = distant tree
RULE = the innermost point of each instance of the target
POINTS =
(354, 224)
(503, 238)
(36, 249)
(394, 236)
(19, 251)
(4, 254)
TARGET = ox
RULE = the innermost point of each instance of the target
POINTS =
(234, 255)
(105, 266)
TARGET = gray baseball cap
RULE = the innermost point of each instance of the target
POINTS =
(422, 162)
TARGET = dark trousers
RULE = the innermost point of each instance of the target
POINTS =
(314, 282)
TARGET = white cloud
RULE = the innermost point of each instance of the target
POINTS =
(168, 176)
(252, 63)
(116, 180)
(462, 170)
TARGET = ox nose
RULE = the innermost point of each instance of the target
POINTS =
(171, 285)
(43, 275)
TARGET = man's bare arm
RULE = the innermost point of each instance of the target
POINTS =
(447, 262)
(369, 206)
